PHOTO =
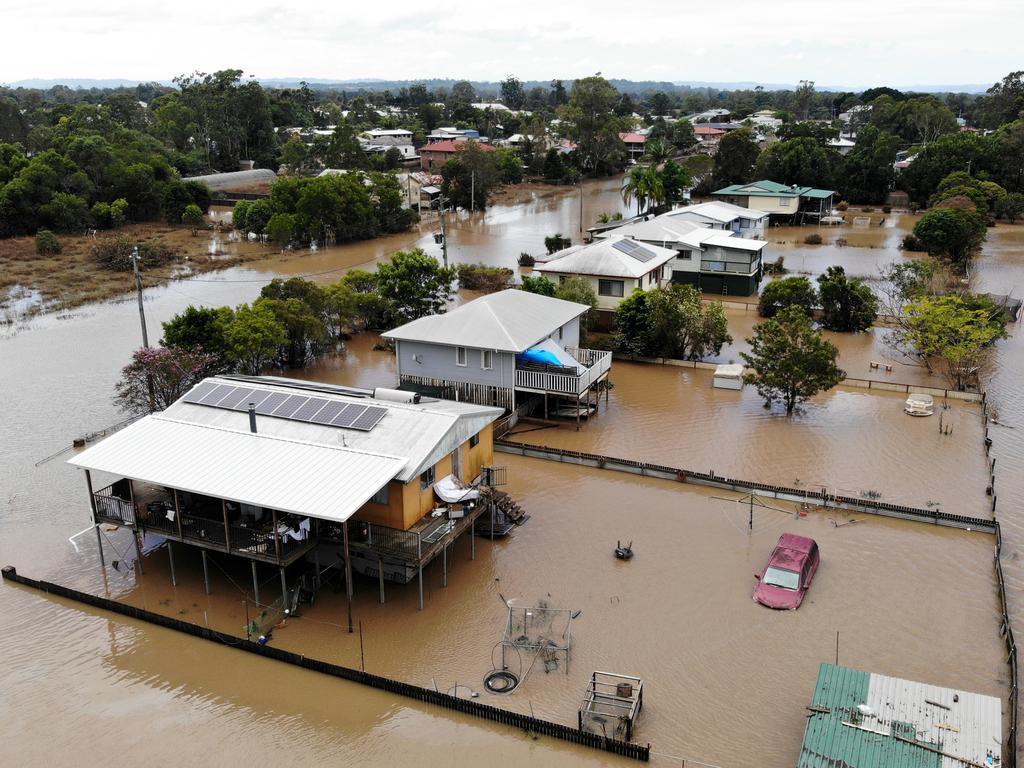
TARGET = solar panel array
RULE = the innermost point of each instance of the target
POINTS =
(634, 249)
(282, 405)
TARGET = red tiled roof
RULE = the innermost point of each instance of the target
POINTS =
(707, 130)
(633, 138)
(447, 147)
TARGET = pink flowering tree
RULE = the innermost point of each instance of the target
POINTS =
(157, 376)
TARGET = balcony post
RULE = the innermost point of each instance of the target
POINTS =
(227, 529)
(255, 583)
(419, 564)
(206, 571)
(170, 559)
(277, 536)
(348, 572)
(380, 573)
(177, 512)
(96, 524)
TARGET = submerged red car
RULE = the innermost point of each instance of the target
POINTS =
(789, 573)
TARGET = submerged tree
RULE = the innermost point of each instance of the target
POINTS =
(792, 362)
(415, 284)
(671, 322)
(847, 304)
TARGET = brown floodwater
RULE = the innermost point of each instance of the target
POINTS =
(727, 681)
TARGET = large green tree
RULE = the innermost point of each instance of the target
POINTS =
(591, 122)
(790, 359)
(254, 338)
(787, 292)
(951, 232)
(415, 285)
(847, 303)
(734, 162)
(671, 322)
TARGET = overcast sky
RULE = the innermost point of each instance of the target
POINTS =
(871, 42)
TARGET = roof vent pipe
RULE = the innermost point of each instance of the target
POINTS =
(252, 417)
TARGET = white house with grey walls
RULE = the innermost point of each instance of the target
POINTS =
(489, 349)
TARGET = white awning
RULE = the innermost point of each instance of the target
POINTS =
(316, 480)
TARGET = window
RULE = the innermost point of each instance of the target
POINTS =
(712, 266)
(780, 577)
(783, 202)
(474, 440)
(427, 479)
(610, 288)
(486, 359)
(383, 496)
(686, 255)
(460, 356)
(560, 329)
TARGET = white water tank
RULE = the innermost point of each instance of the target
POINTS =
(395, 395)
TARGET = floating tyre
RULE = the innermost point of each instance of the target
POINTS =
(501, 681)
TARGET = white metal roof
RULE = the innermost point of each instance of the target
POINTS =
(726, 240)
(327, 482)
(507, 321)
(720, 212)
(675, 232)
(602, 258)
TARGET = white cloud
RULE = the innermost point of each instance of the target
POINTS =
(872, 42)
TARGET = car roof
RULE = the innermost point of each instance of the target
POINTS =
(791, 551)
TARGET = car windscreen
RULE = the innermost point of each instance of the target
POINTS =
(779, 577)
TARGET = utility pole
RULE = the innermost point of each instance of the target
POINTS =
(444, 236)
(472, 191)
(134, 258)
(142, 318)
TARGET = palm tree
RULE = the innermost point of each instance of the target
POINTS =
(657, 152)
(645, 186)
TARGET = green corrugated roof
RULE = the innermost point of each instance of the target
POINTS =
(767, 188)
(830, 744)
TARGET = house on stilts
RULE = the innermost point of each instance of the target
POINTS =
(304, 477)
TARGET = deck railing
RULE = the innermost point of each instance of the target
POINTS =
(113, 509)
(393, 540)
(564, 380)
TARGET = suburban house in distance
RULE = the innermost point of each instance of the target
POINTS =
(500, 347)
(288, 473)
(614, 265)
(744, 222)
(636, 145)
(708, 136)
(714, 260)
(795, 203)
(435, 155)
(383, 139)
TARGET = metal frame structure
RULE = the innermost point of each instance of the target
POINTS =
(602, 703)
(533, 628)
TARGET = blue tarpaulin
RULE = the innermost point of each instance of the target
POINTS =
(539, 356)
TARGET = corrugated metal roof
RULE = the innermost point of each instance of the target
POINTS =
(327, 482)
(716, 211)
(507, 321)
(767, 188)
(838, 733)
(235, 179)
(672, 231)
(602, 259)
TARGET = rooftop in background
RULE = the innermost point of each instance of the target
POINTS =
(235, 180)
(866, 720)
(721, 212)
(633, 138)
(767, 188)
(450, 145)
(673, 232)
(612, 256)
(507, 321)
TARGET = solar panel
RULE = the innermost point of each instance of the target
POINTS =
(634, 249)
(369, 419)
(328, 412)
(239, 396)
(272, 401)
(350, 414)
(218, 393)
(199, 392)
(309, 410)
(290, 406)
(314, 410)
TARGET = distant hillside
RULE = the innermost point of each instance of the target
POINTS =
(487, 86)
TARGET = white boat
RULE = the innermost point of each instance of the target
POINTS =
(919, 404)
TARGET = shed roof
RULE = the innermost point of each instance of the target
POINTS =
(866, 720)
(507, 321)
(234, 179)
(417, 434)
(673, 231)
(765, 188)
(607, 257)
(327, 482)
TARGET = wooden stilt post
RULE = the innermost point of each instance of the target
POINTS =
(577, 413)
(472, 540)
(444, 564)
(545, 406)
(177, 512)
(99, 542)
(348, 573)
(284, 589)
(138, 553)
(95, 517)
(421, 584)
(255, 583)
(277, 537)
(380, 573)
(206, 571)
(170, 559)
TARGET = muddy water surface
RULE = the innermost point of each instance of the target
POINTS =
(727, 681)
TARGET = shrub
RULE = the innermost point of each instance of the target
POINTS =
(814, 239)
(886, 209)
(101, 216)
(526, 260)
(113, 253)
(787, 292)
(911, 243)
(842, 242)
(777, 267)
(842, 206)
(539, 284)
(47, 243)
(867, 209)
(556, 243)
(118, 212)
(480, 277)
